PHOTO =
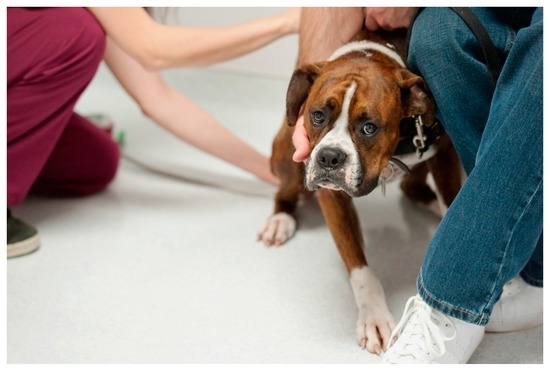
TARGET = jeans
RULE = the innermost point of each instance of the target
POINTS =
(493, 230)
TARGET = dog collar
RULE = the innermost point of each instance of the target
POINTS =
(401, 165)
(367, 45)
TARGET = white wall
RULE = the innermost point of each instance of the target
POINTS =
(277, 59)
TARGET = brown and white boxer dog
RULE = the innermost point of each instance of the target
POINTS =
(368, 119)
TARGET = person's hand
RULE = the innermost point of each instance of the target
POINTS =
(300, 141)
(388, 18)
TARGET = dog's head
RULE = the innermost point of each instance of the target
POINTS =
(352, 108)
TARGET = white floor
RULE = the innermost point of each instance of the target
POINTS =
(160, 270)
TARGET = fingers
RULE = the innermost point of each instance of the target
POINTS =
(388, 18)
(300, 141)
(370, 22)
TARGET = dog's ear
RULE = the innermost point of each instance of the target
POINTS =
(416, 97)
(298, 89)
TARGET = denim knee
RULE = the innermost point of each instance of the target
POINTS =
(437, 41)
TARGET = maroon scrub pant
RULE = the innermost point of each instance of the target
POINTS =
(52, 54)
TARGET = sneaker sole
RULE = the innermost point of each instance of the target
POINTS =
(24, 247)
(524, 310)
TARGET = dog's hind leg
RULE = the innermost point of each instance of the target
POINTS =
(415, 187)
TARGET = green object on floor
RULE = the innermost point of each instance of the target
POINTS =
(121, 138)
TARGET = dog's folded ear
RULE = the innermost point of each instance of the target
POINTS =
(416, 97)
(298, 89)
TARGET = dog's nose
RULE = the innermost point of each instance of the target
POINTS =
(331, 158)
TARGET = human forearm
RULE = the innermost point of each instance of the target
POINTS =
(187, 121)
(158, 46)
(180, 116)
(206, 46)
(323, 30)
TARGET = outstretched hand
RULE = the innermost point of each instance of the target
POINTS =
(300, 141)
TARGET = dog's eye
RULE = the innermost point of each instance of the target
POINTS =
(317, 117)
(369, 129)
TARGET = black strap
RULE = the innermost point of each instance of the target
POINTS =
(490, 53)
(492, 57)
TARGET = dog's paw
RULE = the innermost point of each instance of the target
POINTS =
(277, 229)
(374, 322)
(374, 327)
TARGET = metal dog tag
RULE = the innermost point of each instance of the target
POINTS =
(386, 174)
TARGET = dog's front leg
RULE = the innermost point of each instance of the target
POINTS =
(375, 322)
(281, 225)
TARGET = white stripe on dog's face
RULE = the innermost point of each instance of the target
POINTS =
(340, 137)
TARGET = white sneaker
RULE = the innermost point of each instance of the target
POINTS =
(428, 336)
(520, 307)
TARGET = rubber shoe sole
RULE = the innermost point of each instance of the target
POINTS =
(520, 307)
(22, 238)
(23, 247)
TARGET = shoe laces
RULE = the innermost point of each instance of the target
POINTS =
(420, 337)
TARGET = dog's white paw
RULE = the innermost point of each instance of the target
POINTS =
(374, 327)
(374, 322)
(277, 229)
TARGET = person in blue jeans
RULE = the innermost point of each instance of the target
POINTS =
(483, 270)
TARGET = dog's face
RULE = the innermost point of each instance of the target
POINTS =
(352, 108)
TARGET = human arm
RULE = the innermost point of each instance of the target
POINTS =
(323, 30)
(182, 117)
(157, 46)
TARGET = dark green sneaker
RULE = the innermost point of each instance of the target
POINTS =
(22, 238)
